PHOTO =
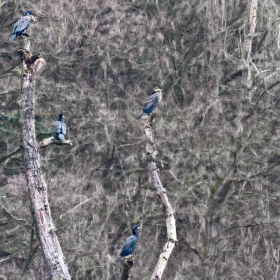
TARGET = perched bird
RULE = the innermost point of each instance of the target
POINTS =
(22, 24)
(59, 128)
(152, 102)
(129, 244)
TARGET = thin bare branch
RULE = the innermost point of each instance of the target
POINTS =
(16, 151)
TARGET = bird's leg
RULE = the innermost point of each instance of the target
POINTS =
(24, 34)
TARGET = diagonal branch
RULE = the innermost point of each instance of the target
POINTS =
(10, 154)
(170, 221)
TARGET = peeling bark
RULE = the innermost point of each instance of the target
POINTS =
(46, 231)
(170, 221)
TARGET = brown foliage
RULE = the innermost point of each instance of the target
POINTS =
(102, 61)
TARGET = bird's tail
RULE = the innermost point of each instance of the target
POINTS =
(13, 38)
(60, 136)
(140, 115)
(118, 259)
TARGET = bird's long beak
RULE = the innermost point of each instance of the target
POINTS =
(34, 20)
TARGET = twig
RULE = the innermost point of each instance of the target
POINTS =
(9, 155)
(17, 219)
(74, 208)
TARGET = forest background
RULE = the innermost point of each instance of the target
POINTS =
(216, 131)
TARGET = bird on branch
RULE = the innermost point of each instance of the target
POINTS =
(152, 102)
(59, 128)
(22, 24)
(129, 244)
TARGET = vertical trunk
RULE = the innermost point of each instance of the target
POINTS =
(55, 261)
(251, 29)
(170, 219)
(212, 224)
(246, 110)
(247, 77)
(214, 25)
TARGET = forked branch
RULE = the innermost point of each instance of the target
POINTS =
(52, 141)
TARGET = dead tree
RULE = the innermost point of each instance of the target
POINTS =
(247, 76)
(46, 231)
(170, 220)
(126, 268)
(219, 191)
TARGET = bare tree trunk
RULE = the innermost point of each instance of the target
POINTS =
(170, 220)
(217, 197)
(46, 231)
(247, 79)
(214, 25)
(216, 200)
(251, 29)
(247, 110)
(126, 268)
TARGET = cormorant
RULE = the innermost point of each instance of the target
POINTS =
(152, 102)
(129, 244)
(22, 24)
(59, 128)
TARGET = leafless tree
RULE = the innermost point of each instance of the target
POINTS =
(46, 230)
(217, 136)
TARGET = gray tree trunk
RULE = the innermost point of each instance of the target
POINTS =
(46, 231)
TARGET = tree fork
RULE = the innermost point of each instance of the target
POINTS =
(52, 141)
(170, 220)
(46, 232)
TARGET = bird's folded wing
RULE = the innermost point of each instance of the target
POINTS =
(129, 243)
(63, 128)
(151, 102)
(22, 24)
(57, 127)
